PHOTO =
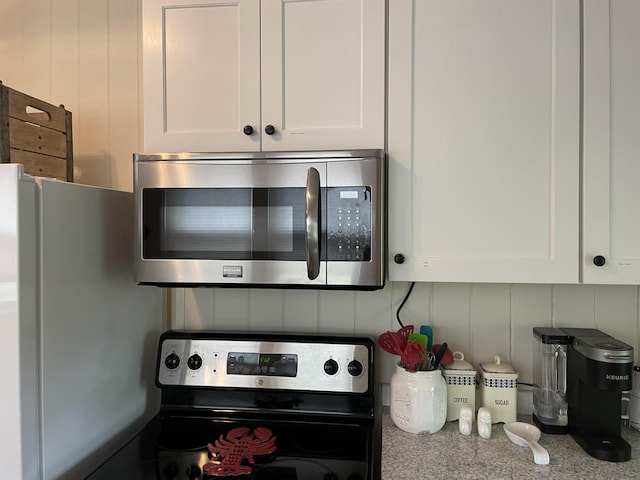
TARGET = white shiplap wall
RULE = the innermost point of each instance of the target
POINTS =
(83, 54)
(86, 55)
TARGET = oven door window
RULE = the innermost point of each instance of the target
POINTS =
(224, 223)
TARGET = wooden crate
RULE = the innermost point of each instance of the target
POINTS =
(36, 134)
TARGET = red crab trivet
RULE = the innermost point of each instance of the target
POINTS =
(239, 444)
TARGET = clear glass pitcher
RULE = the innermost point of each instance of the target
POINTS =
(550, 408)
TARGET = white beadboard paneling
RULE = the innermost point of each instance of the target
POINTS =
(385, 366)
(337, 312)
(11, 43)
(373, 310)
(373, 313)
(616, 312)
(64, 56)
(490, 322)
(530, 307)
(123, 110)
(417, 310)
(36, 22)
(91, 144)
(451, 317)
(198, 308)
(573, 306)
(84, 55)
(231, 309)
(266, 309)
(176, 318)
(301, 309)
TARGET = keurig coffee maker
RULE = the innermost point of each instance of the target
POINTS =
(597, 370)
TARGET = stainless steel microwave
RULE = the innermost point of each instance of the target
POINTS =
(308, 219)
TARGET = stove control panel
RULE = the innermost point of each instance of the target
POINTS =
(281, 365)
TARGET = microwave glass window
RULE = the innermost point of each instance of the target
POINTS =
(207, 228)
(254, 223)
(280, 227)
(224, 223)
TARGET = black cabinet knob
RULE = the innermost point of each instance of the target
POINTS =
(398, 258)
(269, 129)
(248, 129)
(599, 260)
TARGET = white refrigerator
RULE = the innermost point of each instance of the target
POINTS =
(78, 336)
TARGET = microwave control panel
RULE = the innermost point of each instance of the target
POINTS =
(348, 224)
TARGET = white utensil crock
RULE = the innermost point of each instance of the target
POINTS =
(418, 400)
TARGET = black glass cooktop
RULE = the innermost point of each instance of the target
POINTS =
(176, 447)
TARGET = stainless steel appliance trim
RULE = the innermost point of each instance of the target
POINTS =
(262, 272)
(604, 349)
(311, 375)
(203, 174)
(296, 156)
(312, 214)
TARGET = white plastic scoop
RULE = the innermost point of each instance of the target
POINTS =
(527, 435)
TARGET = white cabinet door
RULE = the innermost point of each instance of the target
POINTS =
(611, 153)
(312, 70)
(323, 74)
(201, 75)
(483, 140)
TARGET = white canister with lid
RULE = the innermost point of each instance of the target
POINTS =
(418, 400)
(498, 390)
(461, 386)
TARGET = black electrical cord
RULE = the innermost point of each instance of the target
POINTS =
(404, 300)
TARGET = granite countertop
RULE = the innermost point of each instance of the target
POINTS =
(449, 454)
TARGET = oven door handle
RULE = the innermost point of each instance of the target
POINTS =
(312, 225)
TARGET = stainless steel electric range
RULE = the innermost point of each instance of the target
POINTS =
(258, 406)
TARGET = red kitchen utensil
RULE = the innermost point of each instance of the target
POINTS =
(404, 333)
(395, 342)
(391, 343)
(413, 355)
(447, 357)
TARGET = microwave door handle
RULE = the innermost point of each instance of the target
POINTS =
(312, 214)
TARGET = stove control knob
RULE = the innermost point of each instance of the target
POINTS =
(172, 361)
(194, 362)
(354, 368)
(331, 367)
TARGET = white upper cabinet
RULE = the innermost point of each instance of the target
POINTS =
(201, 75)
(483, 140)
(251, 75)
(323, 81)
(611, 139)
